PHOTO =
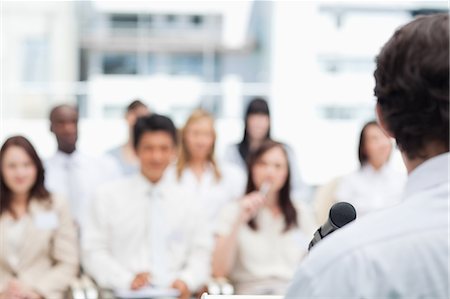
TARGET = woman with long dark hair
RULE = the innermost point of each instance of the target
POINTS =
(39, 255)
(262, 237)
(376, 184)
(256, 132)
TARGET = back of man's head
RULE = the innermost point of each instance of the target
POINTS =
(153, 123)
(412, 84)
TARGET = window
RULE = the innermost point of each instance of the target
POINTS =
(196, 20)
(36, 60)
(340, 112)
(125, 63)
(186, 64)
(152, 63)
(124, 20)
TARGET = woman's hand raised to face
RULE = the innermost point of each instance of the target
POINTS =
(250, 205)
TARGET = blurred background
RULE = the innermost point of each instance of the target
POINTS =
(313, 61)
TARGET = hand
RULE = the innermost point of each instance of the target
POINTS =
(17, 290)
(250, 205)
(180, 285)
(140, 280)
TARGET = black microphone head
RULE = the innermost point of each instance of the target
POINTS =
(342, 213)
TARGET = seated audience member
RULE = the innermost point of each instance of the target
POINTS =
(214, 184)
(143, 229)
(403, 251)
(257, 130)
(376, 184)
(70, 172)
(39, 250)
(262, 237)
(124, 154)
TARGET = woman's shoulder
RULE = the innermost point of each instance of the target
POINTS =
(230, 169)
(58, 201)
(52, 202)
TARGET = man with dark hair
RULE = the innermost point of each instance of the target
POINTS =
(401, 252)
(70, 172)
(144, 229)
(125, 154)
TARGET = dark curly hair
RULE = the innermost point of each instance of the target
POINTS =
(412, 84)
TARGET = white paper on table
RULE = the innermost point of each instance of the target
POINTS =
(147, 292)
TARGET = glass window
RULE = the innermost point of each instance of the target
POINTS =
(171, 19)
(186, 64)
(152, 63)
(36, 60)
(196, 20)
(120, 63)
(124, 20)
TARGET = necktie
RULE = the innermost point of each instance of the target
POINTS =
(158, 238)
(73, 189)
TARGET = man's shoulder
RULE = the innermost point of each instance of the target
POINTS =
(394, 226)
(118, 187)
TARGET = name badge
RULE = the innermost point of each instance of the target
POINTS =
(46, 220)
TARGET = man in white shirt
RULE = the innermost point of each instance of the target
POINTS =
(145, 229)
(70, 172)
(400, 252)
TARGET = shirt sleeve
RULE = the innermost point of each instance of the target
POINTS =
(197, 271)
(97, 260)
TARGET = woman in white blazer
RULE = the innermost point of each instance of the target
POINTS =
(39, 255)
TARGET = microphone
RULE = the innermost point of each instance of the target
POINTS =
(341, 213)
(265, 188)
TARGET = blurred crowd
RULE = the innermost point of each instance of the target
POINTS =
(164, 210)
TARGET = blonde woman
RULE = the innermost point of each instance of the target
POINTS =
(214, 183)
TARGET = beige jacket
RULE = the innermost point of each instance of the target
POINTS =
(48, 260)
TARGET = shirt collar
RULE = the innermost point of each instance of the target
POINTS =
(369, 169)
(430, 173)
(73, 158)
(64, 156)
(149, 188)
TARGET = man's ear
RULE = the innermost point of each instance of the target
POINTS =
(382, 123)
(51, 128)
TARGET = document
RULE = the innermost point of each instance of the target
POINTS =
(147, 292)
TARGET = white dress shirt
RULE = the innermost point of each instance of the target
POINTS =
(136, 226)
(212, 194)
(299, 189)
(368, 189)
(400, 252)
(76, 177)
